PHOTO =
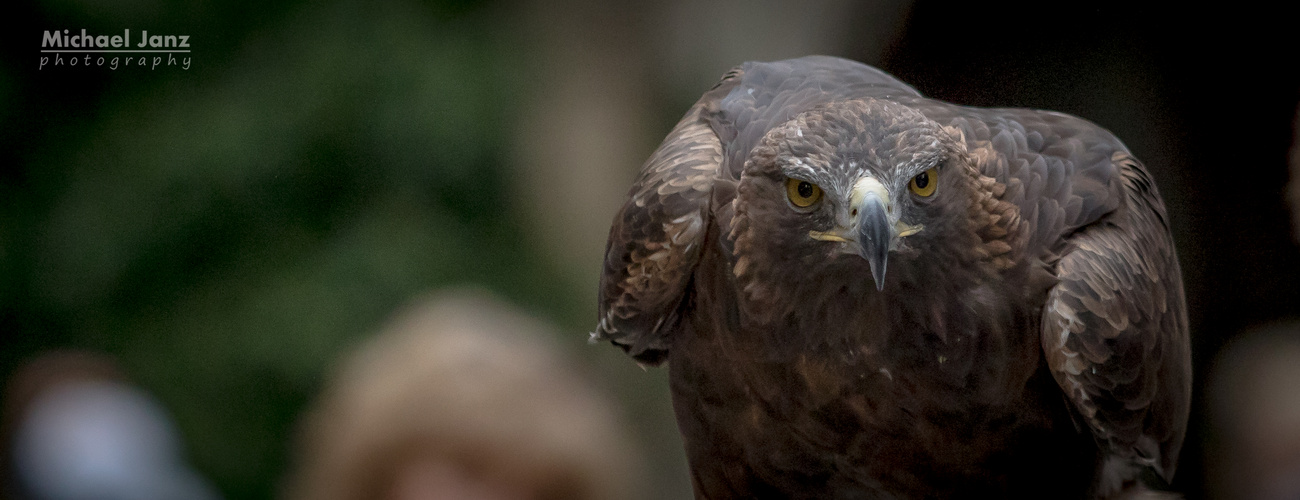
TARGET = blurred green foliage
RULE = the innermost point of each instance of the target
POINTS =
(227, 230)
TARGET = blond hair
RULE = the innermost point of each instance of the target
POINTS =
(464, 378)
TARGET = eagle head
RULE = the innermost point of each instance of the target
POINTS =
(851, 191)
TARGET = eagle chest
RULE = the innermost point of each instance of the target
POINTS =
(897, 397)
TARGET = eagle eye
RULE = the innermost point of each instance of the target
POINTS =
(925, 182)
(802, 193)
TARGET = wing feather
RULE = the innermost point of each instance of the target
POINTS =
(656, 238)
(1115, 333)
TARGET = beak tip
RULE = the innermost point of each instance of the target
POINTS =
(878, 274)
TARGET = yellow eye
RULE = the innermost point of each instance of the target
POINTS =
(925, 182)
(802, 193)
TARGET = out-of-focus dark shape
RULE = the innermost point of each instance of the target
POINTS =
(1293, 192)
(1254, 447)
(75, 429)
(460, 397)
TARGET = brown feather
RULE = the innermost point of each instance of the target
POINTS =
(656, 239)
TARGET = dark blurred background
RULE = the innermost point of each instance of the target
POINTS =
(226, 232)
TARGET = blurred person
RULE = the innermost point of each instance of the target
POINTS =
(461, 397)
(1254, 452)
(75, 429)
(1254, 405)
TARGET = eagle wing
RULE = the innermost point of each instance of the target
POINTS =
(656, 238)
(1114, 325)
(1115, 333)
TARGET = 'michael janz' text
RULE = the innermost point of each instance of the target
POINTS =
(150, 51)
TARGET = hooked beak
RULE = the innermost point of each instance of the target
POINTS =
(870, 220)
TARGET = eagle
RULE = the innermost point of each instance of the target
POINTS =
(861, 292)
